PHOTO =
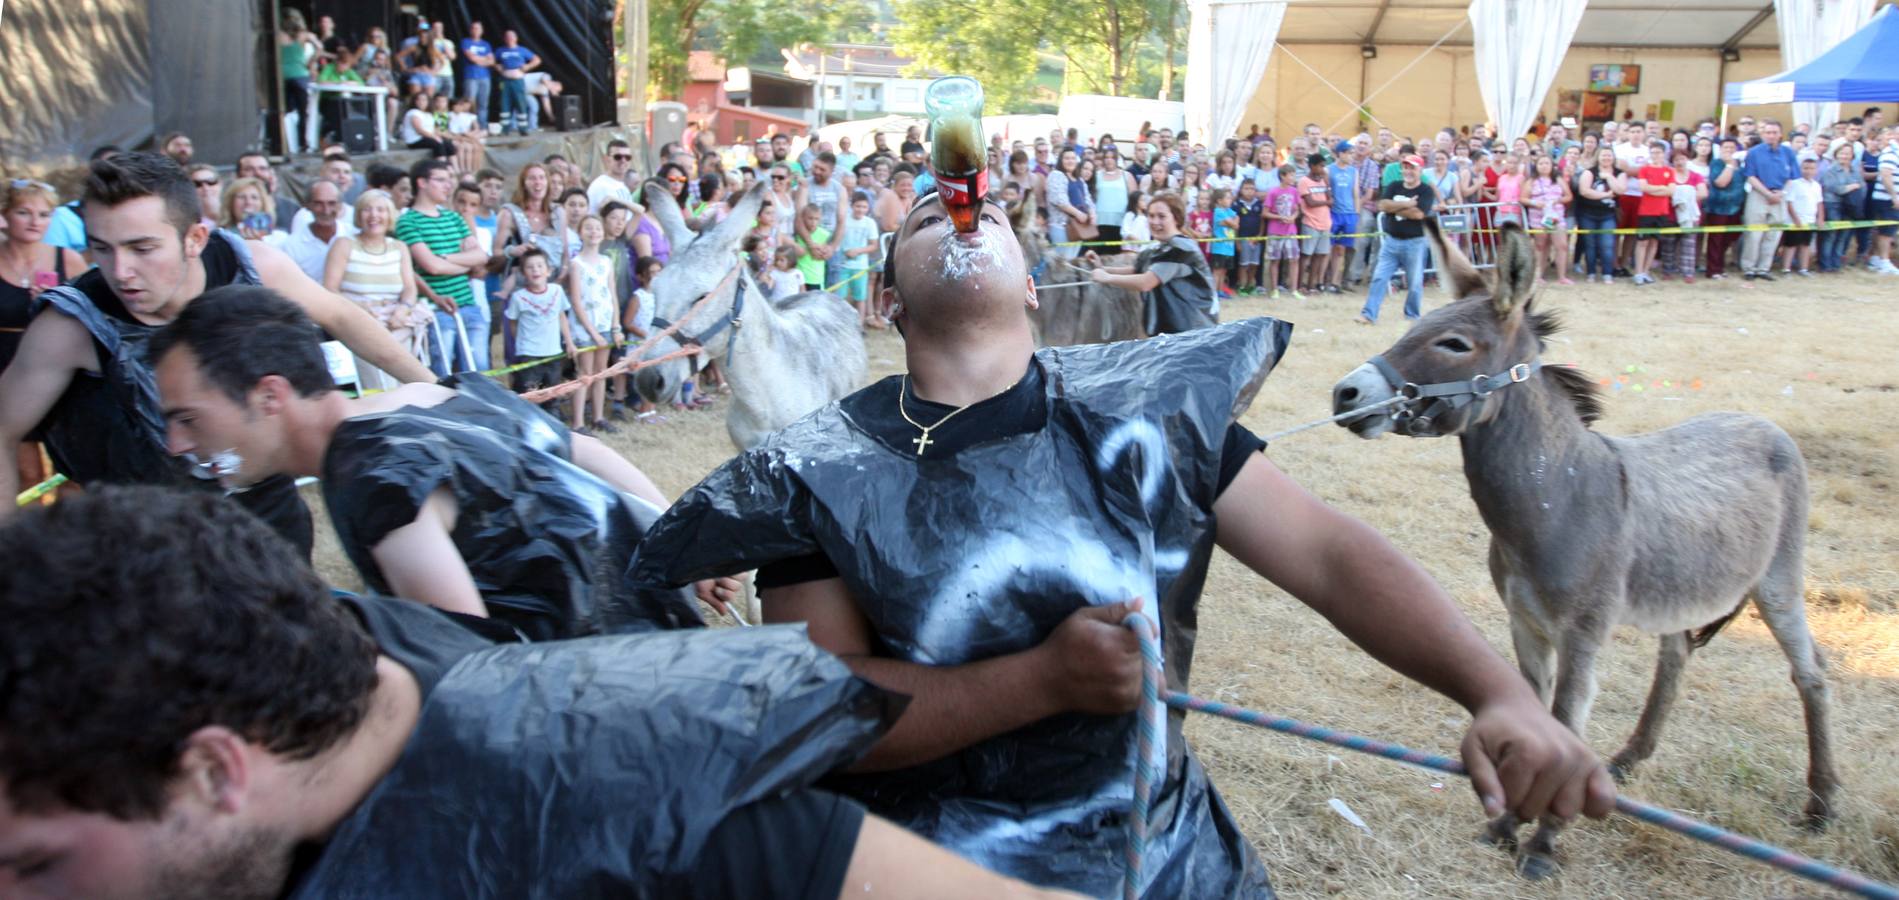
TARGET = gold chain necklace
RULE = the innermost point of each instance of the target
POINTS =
(923, 443)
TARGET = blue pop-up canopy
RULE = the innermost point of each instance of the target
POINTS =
(1864, 67)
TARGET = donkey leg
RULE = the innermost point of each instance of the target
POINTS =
(1783, 607)
(1536, 656)
(1575, 692)
(1661, 696)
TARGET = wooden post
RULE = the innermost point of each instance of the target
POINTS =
(634, 26)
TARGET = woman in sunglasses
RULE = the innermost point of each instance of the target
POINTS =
(678, 183)
(782, 203)
(28, 265)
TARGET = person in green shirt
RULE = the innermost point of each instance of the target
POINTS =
(446, 254)
(816, 244)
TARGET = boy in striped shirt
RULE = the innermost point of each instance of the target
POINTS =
(446, 254)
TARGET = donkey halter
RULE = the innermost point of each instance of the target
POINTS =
(1420, 405)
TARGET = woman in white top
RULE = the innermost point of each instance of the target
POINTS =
(531, 218)
(1224, 177)
(373, 270)
(780, 198)
(418, 129)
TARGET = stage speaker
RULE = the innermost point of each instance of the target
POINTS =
(359, 135)
(567, 112)
(669, 127)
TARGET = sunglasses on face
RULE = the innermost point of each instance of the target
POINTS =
(778, 178)
(623, 157)
(676, 179)
(24, 183)
(202, 182)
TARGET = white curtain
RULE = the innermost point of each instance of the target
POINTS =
(1228, 43)
(1808, 29)
(1518, 46)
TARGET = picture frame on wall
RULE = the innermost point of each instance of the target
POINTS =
(1598, 107)
(1615, 78)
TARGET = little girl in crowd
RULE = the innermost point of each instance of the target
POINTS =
(590, 284)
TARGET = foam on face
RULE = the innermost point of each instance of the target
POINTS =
(963, 257)
(223, 464)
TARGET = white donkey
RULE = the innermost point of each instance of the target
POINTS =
(782, 359)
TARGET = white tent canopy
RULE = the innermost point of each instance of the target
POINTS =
(1808, 29)
(1737, 24)
(1239, 36)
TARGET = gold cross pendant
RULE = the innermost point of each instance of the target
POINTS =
(923, 443)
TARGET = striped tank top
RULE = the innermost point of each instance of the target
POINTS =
(374, 276)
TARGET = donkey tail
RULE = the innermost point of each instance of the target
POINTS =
(1700, 637)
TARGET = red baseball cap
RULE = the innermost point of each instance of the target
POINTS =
(1414, 160)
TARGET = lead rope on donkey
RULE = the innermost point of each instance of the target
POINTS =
(1151, 758)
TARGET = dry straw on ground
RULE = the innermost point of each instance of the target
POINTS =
(1815, 355)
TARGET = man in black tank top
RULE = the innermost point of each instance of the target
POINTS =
(80, 380)
(188, 712)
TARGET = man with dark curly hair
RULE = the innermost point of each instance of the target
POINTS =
(185, 711)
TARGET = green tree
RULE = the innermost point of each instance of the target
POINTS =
(738, 30)
(1099, 39)
(987, 40)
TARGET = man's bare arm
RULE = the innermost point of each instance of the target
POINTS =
(614, 469)
(54, 348)
(345, 321)
(1521, 758)
(1090, 664)
(421, 562)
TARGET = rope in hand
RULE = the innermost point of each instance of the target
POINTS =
(1154, 701)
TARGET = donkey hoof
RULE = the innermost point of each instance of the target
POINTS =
(1501, 833)
(1620, 769)
(1536, 866)
(1817, 815)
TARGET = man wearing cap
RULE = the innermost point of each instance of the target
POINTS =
(1402, 206)
(893, 523)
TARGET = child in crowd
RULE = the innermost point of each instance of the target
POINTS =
(1803, 211)
(1510, 190)
(1011, 195)
(539, 311)
(590, 287)
(786, 280)
(757, 251)
(637, 322)
(859, 244)
(1654, 208)
(1252, 227)
(574, 206)
(1545, 204)
(1220, 251)
(1200, 222)
(1135, 234)
(767, 229)
(1681, 250)
(816, 245)
(1282, 230)
(464, 132)
(1315, 223)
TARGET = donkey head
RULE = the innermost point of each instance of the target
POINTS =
(1472, 342)
(699, 266)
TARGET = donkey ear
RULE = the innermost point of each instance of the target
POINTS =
(728, 233)
(665, 209)
(1022, 218)
(1516, 271)
(1461, 277)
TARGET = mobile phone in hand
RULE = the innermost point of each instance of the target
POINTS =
(257, 222)
(43, 280)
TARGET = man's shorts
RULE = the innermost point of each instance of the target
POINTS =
(1313, 242)
(1877, 210)
(1249, 252)
(537, 376)
(795, 846)
(1653, 222)
(1282, 247)
(856, 287)
(1343, 226)
(1796, 238)
(1625, 207)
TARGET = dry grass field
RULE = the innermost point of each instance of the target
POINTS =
(1817, 356)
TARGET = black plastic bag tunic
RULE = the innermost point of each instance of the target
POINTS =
(589, 768)
(1183, 301)
(110, 427)
(546, 541)
(984, 553)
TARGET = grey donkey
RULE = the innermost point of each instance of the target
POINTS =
(1084, 314)
(1671, 531)
(782, 359)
